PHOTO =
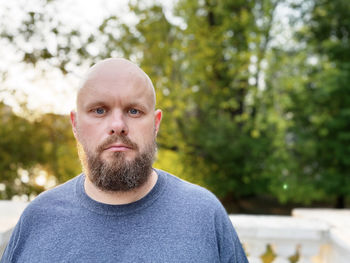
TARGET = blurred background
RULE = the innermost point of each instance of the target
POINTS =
(255, 93)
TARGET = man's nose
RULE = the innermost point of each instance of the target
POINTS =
(118, 124)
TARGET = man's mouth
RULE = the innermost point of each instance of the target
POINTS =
(117, 143)
(118, 147)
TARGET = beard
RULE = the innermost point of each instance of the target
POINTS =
(118, 174)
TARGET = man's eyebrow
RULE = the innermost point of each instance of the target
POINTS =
(136, 104)
(94, 104)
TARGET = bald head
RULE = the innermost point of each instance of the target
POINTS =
(112, 69)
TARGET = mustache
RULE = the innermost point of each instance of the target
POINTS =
(114, 138)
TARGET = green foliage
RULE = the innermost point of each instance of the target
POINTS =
(59, 155)
(225, 127)
(16, 153)
(31, 148)
(312, 82)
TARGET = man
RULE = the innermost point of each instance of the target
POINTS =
(121, 209)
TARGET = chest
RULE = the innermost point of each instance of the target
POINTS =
(122, 239)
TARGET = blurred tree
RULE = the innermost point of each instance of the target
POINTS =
(17, 152)
(59, 155)
(225, 129)
(327, 31)
(43, 147)
(309, 89)
(291, 164)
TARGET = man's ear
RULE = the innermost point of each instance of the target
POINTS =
(157, 120)
(73, 120)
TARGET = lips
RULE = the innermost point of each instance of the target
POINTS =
(118, 147)
(117, 143)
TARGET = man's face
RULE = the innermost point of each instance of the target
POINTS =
(115, 123)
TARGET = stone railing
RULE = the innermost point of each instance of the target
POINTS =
(10, 212)
(308, 236)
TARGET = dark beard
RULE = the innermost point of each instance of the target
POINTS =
(117, 174)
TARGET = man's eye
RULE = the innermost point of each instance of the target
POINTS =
(134, 111)
(100, 111)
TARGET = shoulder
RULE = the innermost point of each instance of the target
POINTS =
(53, 198)
(191, 194)
(185, 187)
(205, 209)
(39, 213)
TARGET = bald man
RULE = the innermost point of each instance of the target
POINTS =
(120, 209)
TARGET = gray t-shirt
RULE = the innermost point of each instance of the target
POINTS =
(176, 222)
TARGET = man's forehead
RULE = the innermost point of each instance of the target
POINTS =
(111, 71)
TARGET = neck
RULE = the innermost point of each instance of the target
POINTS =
(121, 197)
